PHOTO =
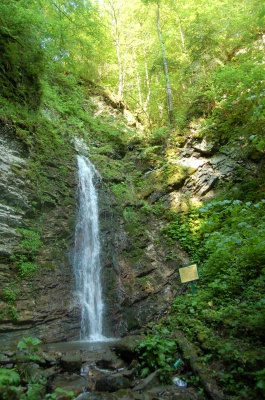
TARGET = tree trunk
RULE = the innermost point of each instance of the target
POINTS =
(147, 81)
(181, 35)
(116, 38)
(165, 66)
(189, 353)
(138, 82)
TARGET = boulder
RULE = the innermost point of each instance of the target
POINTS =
(149, 382)
(112, 383)
(74, 383)
(125, 348)
(71, 362)
(96, 396)
(205, 147)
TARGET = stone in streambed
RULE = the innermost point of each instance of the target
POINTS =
(96, 396)
(123, 394)
(147, 383)
(71, 362)
(126, 347)
(74, 383)
(112, 383)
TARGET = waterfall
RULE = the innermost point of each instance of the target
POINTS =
(87, 265)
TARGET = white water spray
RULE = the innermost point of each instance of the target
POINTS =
(87, 265)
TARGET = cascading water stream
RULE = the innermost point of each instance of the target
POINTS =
(87, 266)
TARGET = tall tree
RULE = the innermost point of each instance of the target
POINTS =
(115, 12)
(164, 60)
(165, 66)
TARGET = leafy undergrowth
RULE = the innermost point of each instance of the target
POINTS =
(225, 319)
(23, 381)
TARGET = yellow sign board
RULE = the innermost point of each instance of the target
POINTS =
(189, 273)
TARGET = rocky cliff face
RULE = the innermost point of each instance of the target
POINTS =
(14, 195)
(140, 271)
(38, 303)
(210, 169)
(139, 281)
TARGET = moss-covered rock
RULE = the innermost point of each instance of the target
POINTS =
(38, 212)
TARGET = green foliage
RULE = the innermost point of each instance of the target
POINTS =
(260, 378)
(223, 335)
(230, 235)
(58, 392)
(31, 241)
(124, 192)
(40, 39)
(185, 227)
(234, 234)
(157, 352)
(26, 268)
(29, 246)
(28, 348)
(158, 209)
(199, 38)
(115, 172)
(165, 175)
(13, 313)
(29, 345)
(129, 214)
(226, 317)
(9, 384)
(35, 391)
(159, 136)
(238, 91)
(9, 377)
(228, 238)
(9, 294)
(21, 55)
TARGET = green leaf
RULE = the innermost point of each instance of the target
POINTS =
(22, 345)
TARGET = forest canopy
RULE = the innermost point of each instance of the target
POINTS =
(213, 54)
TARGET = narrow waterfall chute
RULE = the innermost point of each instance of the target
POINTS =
(87, 265)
